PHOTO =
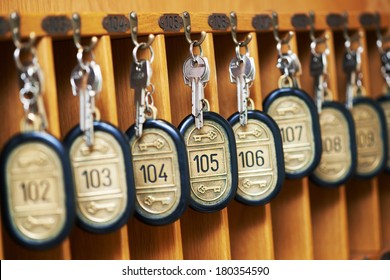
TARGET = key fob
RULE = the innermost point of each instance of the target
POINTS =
(296, 115)
(371, 137)
(212, 161)
(259, 158)
(103, 176)
(37, 190)
(384, 102)
(160, 172)
(338, 160)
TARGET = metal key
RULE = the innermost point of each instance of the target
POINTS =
(350, 64)
(196, 74)
(140, 74)
(242, 72)
(318, 70)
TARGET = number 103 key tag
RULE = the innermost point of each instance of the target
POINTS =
(210, 143)
(259, 145)
(159, 155)
(296, 115)
(100, 157)
(36, 181)
(338, 160)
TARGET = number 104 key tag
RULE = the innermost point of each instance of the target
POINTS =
(100, 157)
(296, 115)
(259, 146)
(159, 157)
(210, 143)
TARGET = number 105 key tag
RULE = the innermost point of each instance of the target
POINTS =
(210, 143)
(259, 145)
(159, 154)
(100, 157)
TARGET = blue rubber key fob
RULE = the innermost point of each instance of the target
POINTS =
(37, 190)
(160, 172)
(384, 102)
(259, 158)
(212, 161)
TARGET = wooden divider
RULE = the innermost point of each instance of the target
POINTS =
(291, 222)
(95, 246)
(146, 242)
(377, 90)
(328, 206)
(204, 235)
(250, 227)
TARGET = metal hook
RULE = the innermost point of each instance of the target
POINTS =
(380, 39)
(233, 24)
(275, 24)
(14, 21)
(318, 40)
(134, 32)
(187, 31)
(76, 25)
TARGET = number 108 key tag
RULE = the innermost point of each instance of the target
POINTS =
(159, 155)
(259, 146)
(296, 115)
(210, 143)
(100, 157)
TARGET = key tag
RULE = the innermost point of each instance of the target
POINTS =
(158, 151)
(384, 100)
(338, 160)
(296, 115)
(210, 142)
(99, 153)
(37, 190)
(259, 145)
(369, 118)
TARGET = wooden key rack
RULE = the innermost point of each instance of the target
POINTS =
(304, 221)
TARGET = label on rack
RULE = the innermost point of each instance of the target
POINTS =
(219, 21)
(56, 25)
(170, 22)
(116, 23)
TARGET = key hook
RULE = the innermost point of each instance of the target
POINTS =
(350, 39)
(134, 32)
(187, 31)
(275, 25)
(14, 21)
(315, 41)
(233, 24)
(380, 38)
(76, 25)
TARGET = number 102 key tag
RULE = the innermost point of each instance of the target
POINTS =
(100, 157)
(159, 155)
(36, 180)
(259, 145)
(210, 143)
(296, 115)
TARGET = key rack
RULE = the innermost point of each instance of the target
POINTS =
(303, 222)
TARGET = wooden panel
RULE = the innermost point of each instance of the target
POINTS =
(250, 227)
(291, 224)
(146, 242)
(95, 246)
(328, 206)
(205, 236)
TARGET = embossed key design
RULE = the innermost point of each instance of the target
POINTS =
(158, 144)
(256, 133)
(149, 200)
(94, 207)
(209, 135)
(203, 189)
(248, 183)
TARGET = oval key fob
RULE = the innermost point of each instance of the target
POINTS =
(103, 178)
(37, 190)
(338, 160)
(371, 141)
(259, 158)
(212, 160)
(160, 172)
(384, 102)
(296, 115)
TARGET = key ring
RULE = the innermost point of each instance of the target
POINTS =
(192, 44)
(239, 55)
(142, 45)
